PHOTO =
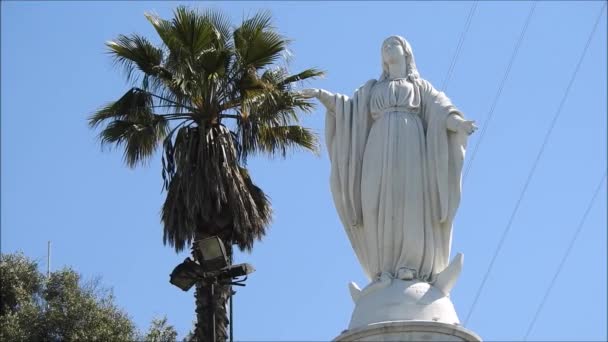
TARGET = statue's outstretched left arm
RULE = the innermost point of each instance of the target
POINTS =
(457, 123)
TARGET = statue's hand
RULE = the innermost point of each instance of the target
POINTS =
(309, 93)
(325, 97)
(467, 126)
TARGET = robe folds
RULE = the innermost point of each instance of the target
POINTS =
(396, 176)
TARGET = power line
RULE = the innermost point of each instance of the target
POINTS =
(486, 123)
(534, 165)
(467, 24)
(565, 257)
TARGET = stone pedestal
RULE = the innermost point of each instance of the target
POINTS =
(409, 331)
(396, 300)
(403, 310)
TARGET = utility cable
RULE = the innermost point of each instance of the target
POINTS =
(486, 123)
(534, 165)
(565, 257)
(463, 34)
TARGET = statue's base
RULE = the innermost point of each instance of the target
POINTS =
(409, 331)
(402, 300)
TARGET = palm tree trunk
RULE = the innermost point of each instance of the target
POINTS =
(210, 301)
(204, 305)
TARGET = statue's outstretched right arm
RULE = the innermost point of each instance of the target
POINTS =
(325, 97)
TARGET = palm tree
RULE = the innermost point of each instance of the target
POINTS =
(210, 96)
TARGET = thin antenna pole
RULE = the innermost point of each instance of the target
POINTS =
(231, 316)
(48, 260)
(231, 299)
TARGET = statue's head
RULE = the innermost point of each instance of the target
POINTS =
(395, 49)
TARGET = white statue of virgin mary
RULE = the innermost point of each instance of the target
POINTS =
(396, 149)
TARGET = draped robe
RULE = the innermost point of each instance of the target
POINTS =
(397, 189)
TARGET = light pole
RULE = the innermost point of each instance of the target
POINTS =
(213, 269)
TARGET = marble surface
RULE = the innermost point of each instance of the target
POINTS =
(396, 148)
(409, 331)
(401, 300)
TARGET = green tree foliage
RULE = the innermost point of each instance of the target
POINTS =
(160, 331)
(209, 95)
(21, 306)
(63, 307)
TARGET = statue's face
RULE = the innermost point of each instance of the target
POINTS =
(392, 51)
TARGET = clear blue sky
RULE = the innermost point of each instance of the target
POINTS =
(103, 218)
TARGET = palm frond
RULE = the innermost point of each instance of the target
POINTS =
(131, 105)
(221, 23)
(139, 138)
(199, 51)
(257, 44)
(179, 53)
(274, 106)
(194, 31)
(136, 52)
(132, 124)
(164, 29)
(210, 192)
(301, 76)
(279, 140)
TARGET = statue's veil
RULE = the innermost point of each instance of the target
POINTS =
(412, 71)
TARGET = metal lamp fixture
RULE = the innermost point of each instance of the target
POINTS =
(185, 275)
(212, 253)
(213, 266)
(235, 271)
(213, 269)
